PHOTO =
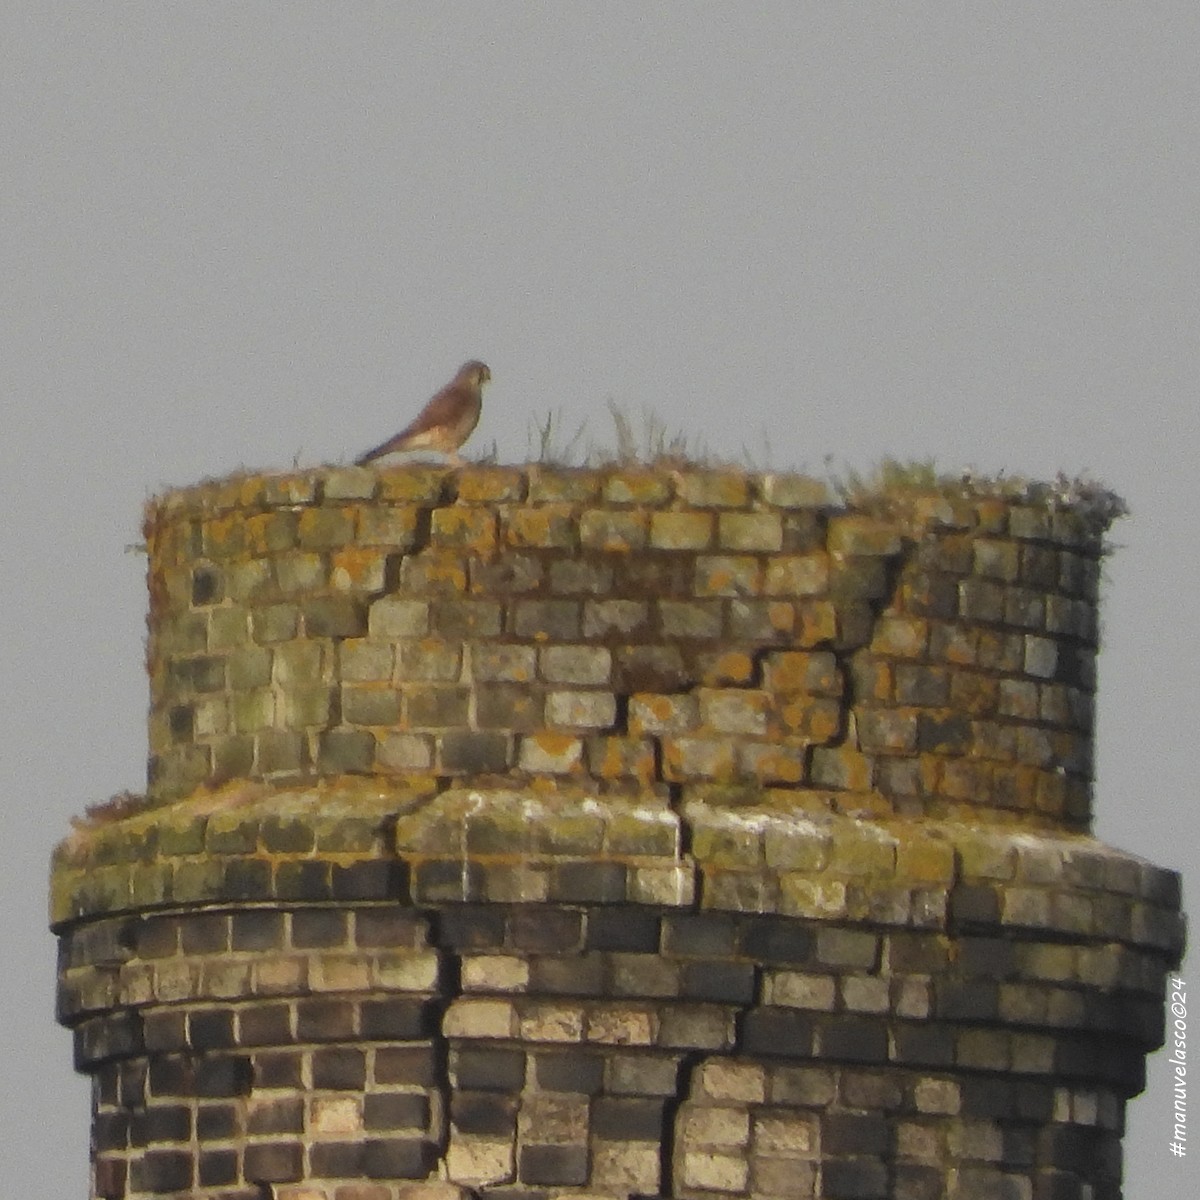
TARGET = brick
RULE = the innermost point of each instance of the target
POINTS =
(713, 489)
(547, 620)
(550, 753)
(547, 525)
(759, 621)
(396, 1158)
(472, 530)
(581, 576)
(689, 619)
(553, 1165)
(624, 617)
(581, 709)
(604, 529)
(734, 710)
(637, 486)
(405, 752)
(273, 1162)
(727, 575)
(681, 530)
(474, 752)
(486, 1069)
(393, 617)
(750, 531)
(686, 759)
(576, 664)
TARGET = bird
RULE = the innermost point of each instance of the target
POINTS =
(445, 422)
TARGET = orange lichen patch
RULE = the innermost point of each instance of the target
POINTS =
(637, 487)
(617, 757)
(356, 568)
(925, 859)
(818, 622)
(545, 525)
(435, 571)
(225, 536)
(413, 483)
(773, 764)
(478, 485)
(732, 667)
(470, 529)
(324, 528)
(270, 532)
(809, 719)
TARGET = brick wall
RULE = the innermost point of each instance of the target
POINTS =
(537, 833)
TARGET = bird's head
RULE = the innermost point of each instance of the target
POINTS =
(475, 373)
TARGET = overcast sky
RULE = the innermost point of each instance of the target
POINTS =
(256, 233)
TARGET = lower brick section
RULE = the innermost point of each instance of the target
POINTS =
(376, 1050)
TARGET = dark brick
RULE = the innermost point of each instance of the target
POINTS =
(545, 931)
(164, 1030)
(1058, 1185)
(228, 1075)
(396, 1110)
(274, 1162)
(246, 879)
(559, 1165)
(333, 1160)
(917, 954)
(777, 1032)
(110, 1131)
(322, 1020)
(339, 1068)
(211, 1029)
(854, 1179)
(913, 1182)
(776, 940)
(974, 904)
(388, 927)
(994, 958)
(854, 1039)
(628, 1118)
(374, 880)
(111, 1178)
(699, 935)
(966, 999)
(923, 1045)
(987, 1097)
(205, 933)
(264, 1025)
(304, 879)
(447, 881)
(172, 1075)
(588, 882)
(396, 1158)
(163, 1171)
(318, 929)
(571, 1072)
(131, 1080)
(395, 1019)
(475, 752)
(471, 927)
(853, 1133)
(277, 1070)
(157, 937)
(166, 1123)
(881, 1092)
(488, 1070)
(643, 1075)
(722, 982)
(216, 1168)
(578, 975)
(284, 1114)
(216, 1122)
(483, 1112)
(944, 735)
(406, 1064)
(115, 1035)
(625, 928)
(258, 929)
(1034, 1101)
(281, 835)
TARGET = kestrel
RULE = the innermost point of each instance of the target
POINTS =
(445, 422)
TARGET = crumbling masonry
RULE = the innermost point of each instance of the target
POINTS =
(546, 833)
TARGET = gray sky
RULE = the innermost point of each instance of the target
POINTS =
(248, 233)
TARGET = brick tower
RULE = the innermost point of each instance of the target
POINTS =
(536, 833)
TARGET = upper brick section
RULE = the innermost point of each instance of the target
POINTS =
(629, 630)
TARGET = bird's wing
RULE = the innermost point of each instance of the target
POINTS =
(446, 408)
